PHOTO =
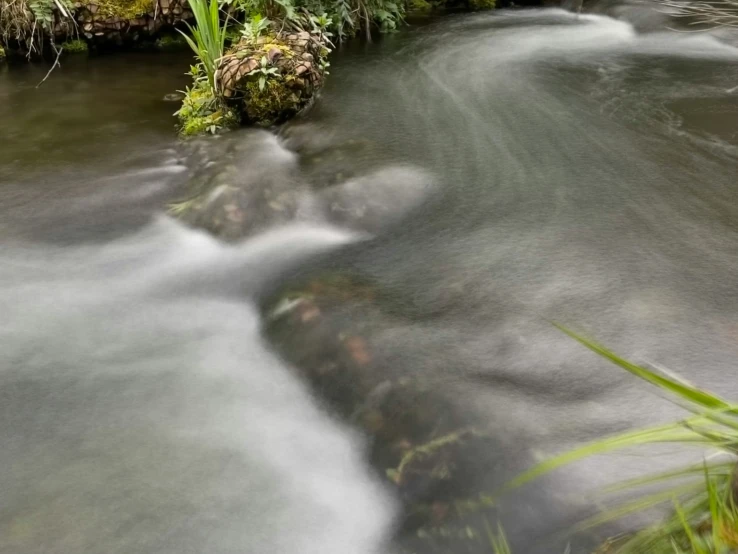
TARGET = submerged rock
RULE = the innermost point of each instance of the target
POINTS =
(272, 78)
(432, 451)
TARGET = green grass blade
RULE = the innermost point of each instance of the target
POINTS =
(642, 504)
(687, 392)
(687, 529)
(673, 432)
(723, 468)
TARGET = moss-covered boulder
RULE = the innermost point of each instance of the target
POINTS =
(121, 20)
(271, 78)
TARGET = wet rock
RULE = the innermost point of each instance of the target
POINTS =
(375, 201)
(429, 450)
(241, 186)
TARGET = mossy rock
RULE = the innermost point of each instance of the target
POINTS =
(432, 452)
(272, 78)
(202, 113)
(2, 53)
(123, 9)
(76, 46)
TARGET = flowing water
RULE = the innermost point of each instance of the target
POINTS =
(494, 172)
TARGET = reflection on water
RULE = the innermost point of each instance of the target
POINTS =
(581, 172)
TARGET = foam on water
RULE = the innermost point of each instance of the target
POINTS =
(137, 421)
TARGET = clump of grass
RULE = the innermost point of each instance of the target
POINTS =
(76, 46)
(202, 110)
(705, 515)
(208, 36)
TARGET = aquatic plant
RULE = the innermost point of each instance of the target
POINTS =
(201, 111)
(208, 36)
(705, 515)
(75, 46)
(344, 18)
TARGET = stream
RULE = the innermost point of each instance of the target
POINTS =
(486, 174)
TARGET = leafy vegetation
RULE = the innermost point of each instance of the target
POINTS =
(343, 18)
(26, 22)
(201, 111)
(208, 36)
(704, 497)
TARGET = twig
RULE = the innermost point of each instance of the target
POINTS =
(56, 62)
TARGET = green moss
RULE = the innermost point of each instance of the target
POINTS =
(2, 53)
(171, 42)
(419, 6)
(265, 106)
(202, 113)
(211, 123)
(125, 9)
(482, 4)
(76, 46)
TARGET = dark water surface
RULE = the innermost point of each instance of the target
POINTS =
(522, 167)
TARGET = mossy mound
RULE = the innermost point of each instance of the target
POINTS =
(75, 46)
(202, 112)
(123, 9)
(270, 79)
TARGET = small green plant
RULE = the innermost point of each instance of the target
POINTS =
(255, 27)
(208, 36)
(263, 72)
(705, 517)
(76, 46)
(282, 10)
(201, 111)
(321, 23)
